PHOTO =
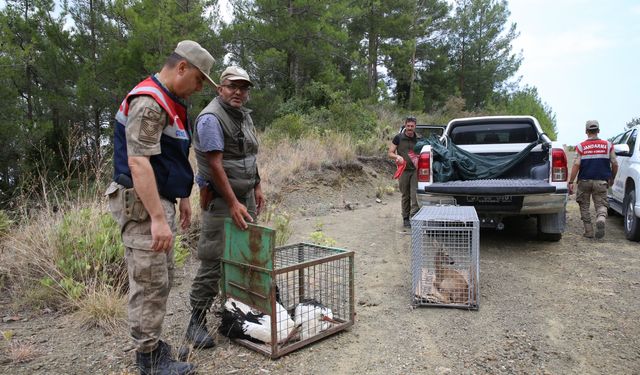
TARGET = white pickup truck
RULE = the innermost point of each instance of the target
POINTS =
(536, 186)
(625, 192)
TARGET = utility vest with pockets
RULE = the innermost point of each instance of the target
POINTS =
(239, 158)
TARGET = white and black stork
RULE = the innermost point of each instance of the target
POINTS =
(311, 317)
(240, 321)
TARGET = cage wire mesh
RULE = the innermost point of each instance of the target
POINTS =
(445, 243)
(313, 296)
(314, 280)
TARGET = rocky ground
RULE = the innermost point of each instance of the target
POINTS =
(567, 307)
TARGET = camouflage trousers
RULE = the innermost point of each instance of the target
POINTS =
(409, 189)
(595, 190)
(150, 272)
(205, 285)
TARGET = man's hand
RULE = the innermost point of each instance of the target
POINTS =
(260, 199)
(571, 188)
(185, 213)
(239, 214)
(161, 235)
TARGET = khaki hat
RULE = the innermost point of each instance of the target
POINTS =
(197, 56)
(592, 125)
(235, 73)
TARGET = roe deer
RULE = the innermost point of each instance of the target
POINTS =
(451, 284)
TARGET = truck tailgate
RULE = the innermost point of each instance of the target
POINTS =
(490, 187)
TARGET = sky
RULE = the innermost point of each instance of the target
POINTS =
(584, 58)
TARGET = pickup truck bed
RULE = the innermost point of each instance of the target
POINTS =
(535, 186)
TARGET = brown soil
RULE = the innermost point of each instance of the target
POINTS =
(567, 307)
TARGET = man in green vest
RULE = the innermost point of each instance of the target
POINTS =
(226, 148)
(399, 149)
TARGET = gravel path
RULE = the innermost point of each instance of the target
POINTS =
(569, 307)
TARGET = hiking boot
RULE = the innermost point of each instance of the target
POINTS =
(406, 223)
(160, 362)
(197, 332)
(600, 221)
(588, 230)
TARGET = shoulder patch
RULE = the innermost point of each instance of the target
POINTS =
(150, 126)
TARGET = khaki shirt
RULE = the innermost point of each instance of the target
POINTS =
(145, 123)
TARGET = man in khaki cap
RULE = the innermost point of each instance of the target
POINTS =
(151, 173)
(596, 166)
(226, 147)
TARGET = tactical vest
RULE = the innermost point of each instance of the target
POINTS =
(240, 148)
(595, 163)
(172, 170)
(404, 145)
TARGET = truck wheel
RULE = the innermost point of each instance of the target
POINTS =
(550, 224)
(631, 224)
(551, 237)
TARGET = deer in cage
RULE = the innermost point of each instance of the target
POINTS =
(450, 283)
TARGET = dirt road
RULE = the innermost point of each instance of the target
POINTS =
(569, 307)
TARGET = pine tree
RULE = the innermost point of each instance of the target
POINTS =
(481, 49)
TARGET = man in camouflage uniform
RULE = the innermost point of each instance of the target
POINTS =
(226, 148)
(595, 166)
(399, 149)
(151, 172)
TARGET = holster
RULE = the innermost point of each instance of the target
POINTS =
(133, 207)
(207, 194)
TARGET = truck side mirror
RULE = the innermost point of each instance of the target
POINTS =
(621, 149)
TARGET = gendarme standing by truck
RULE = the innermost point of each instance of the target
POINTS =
(502, 166)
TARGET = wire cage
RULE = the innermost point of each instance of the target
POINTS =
(445, 243)
(306, 290)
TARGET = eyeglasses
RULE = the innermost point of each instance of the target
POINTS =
(234, 88)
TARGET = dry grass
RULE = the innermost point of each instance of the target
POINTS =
(103, 308)
(20, 352)
(286, 160)
(28, 253)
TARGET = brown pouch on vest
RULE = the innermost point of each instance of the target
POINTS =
(133, 207)
(206, 197)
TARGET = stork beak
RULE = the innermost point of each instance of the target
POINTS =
(293, 334)
(327, 319)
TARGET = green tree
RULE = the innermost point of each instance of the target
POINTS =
(526, 101)
(481, 49)
(36, 69)
(421, 29)
(634, 122)
(287, 45)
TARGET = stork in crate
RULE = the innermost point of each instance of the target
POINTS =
(240, 321)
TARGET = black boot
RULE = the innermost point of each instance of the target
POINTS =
(197, 332)
(160, 362)
(406, 223)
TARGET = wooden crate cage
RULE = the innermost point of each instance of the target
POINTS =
(445, 241)
(262, 276)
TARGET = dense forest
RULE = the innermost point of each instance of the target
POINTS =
(66, 65)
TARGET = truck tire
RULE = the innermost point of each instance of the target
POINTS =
(631, 222)
(551, 226)
(551, 237)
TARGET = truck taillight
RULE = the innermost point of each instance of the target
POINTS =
(558, 165)
(424, 167)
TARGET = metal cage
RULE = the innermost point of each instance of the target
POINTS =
(445, 243)
(290, 277)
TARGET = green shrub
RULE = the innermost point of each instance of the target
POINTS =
(291, 126)
(181, 250)
(5, 223)
(282, 226)
(318, 237)
(88, 251)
